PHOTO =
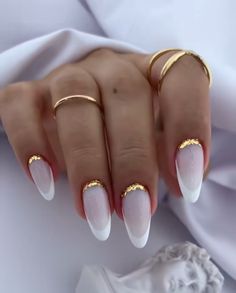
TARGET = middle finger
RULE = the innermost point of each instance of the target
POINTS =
(129, 119)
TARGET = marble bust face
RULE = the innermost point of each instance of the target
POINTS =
(178, 276)
(178, 268)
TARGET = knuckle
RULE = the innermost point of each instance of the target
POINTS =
(71, 78)
(80, 159)
(21, 88)
(82, 154)
(12, 93)
(127, 82)
(124, 74)
(101, 53)
(138, 155)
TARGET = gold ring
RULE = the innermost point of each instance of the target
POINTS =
(155, 57)
(73, 97)
(172, 60)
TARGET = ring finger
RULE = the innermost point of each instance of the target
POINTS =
(184, 137)
(184, 98)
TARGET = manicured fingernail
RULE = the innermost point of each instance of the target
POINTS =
(136, 208)
(42, 176)
(190, 169)
(97, 209)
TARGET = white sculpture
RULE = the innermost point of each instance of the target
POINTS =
(179, 268)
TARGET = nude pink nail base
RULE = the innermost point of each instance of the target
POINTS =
(97, 211)
(42, 176)
(137, 216)
(190, 168)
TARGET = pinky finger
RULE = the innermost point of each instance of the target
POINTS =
(21, 106)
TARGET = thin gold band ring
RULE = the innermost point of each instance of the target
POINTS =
(73, 97)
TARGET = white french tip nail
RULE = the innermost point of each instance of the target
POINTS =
(42, 176)
(136, 208)
(138, 242)
(190, 169)
(97, 210)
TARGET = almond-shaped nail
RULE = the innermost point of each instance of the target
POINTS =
(190, 168)
(136, 208)
(42, 176)
(97, 209)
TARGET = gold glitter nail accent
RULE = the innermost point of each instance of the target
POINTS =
(34, 158)
(92, 184)
(188, 142)
(133, 187)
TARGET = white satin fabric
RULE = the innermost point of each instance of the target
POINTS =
(36, 37)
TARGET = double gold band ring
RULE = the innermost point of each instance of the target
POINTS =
(155, 57)
(172, 60)
(75, 97)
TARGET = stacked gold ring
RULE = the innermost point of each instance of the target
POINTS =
(172, 60)
(155, 57)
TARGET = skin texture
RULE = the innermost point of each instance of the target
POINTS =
(142, 129)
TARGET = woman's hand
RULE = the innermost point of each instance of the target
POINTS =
(136, 139)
